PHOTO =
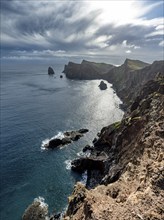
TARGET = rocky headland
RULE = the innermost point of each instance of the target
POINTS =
(86, 70)
(125, 169)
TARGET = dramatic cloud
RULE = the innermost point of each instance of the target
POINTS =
(98, 30)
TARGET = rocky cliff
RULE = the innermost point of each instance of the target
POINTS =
(127, 79)
(86, 70)
(126, 167)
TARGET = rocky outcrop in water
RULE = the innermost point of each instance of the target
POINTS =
(69, 136)
(103, 85)
(50, 71)
(128, 182)
(38, 210)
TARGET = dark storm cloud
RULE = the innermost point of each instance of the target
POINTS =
(10, 7)
(134, 34)
(67, 26)
(55, 26)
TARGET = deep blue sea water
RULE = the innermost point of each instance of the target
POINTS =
(34, 107)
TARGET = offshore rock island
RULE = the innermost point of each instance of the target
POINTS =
(67, 138)
(125, 169)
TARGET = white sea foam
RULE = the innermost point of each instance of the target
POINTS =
(84, 178)
(83, 154)
(41, 200)
(80, 154)
(60, 135)
(43, 206)
(45, 142)
(68, 164)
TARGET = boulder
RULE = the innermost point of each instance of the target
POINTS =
(38, 210)
(94, 140)
(82, 164)
(50, 71)
(73, 135)
(61, 76)
(103, 85)
(87, 147)
(53, 143)
(83, 130)
(55, 216)
(66, 140)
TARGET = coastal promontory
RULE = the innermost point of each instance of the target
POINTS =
(86, 70)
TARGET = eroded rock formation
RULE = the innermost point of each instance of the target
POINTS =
(103, 85)
(69, 136)
(50, 71)
(38, 210)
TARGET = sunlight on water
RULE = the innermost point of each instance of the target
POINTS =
(34, 109)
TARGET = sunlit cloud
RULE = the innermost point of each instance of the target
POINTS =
(161, 43)
(81, 28)
(128, 51)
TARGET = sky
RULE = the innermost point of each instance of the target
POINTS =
(102, 31)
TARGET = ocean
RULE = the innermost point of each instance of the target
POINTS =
(36, 107)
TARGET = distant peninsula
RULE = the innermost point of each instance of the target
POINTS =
(86, 70)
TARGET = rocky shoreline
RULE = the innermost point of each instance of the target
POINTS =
(67, 138)
(107, 147)
(125, 174)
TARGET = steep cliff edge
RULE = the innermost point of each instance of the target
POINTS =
(129, 78)
(128, 181)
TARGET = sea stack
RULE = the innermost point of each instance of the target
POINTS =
(50, 71)
(103, 85)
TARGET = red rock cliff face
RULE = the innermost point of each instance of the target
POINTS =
(131, 184)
